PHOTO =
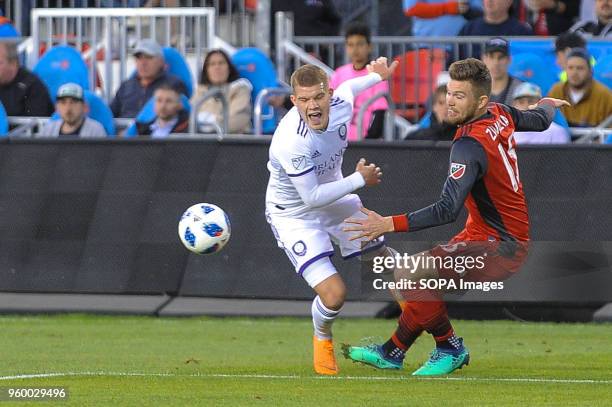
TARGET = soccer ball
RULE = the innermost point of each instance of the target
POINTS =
(204, 228)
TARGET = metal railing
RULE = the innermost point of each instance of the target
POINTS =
(235, 18)
(214, 92)
(258, 105)
(388, 133)
(113, 31)
(593, 134)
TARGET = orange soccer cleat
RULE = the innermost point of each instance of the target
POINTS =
(324, 359)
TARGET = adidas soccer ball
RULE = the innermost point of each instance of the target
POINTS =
(204, 228)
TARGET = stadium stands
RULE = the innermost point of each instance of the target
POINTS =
(99, 111)
(177, 65)
(60, 65)
(257, 68)
(147, 114)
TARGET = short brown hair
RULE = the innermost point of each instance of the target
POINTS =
(474, 71)
(309, 75)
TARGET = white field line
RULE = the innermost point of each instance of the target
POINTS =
(295, 377)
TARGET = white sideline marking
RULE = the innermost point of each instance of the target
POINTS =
(264, 376)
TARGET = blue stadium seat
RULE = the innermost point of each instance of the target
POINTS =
(531, 68)
(254, 65)
(7, 30)
(4, 125)
(176, 65)
(99, 111)
(560, 119)
(545, 49)
(147, 114)
(425, 122)
(603, 70)
(60, 65)
(609, 139)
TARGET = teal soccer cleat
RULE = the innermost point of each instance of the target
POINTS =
(443, 362)
(370, 355)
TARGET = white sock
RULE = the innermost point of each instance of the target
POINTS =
(322, 319)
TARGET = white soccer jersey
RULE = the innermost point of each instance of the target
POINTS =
(296, 150)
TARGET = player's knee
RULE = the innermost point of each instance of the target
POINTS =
(334, 299)
(332, 292)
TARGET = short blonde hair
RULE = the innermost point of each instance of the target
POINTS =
(309, 75)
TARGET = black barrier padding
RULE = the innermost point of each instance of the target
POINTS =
(102, 217)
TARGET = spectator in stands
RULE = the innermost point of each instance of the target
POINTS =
(170, 114)
(437, 129)
(139, 88)
(310, 18)
(601, 28)
(218, 71)
(551, 17)
(564, 44)
(72, 109)
(496, 21)
(22, 93)
(497, 59)
(591, 100)
(358, 47)
(528, 94)
(440, 17)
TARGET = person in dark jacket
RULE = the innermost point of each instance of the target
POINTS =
(22, 93)
(170, 115)
(150, 74)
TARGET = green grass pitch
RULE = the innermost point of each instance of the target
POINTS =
(142, 361)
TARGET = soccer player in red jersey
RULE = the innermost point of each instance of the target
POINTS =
(483, 175)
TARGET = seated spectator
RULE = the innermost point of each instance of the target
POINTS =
(497, 59)
(437, 129)
(72, 109)
(528, 94)
(495, 22)
(591, 100)
(564, 44)
(218, 71)
(602, 28)
(150, 74)
(170, 115)
(552, 17)
(358, 48)
(440, 17)
(22, 93)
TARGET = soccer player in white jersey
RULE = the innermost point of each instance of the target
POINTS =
(308, 198)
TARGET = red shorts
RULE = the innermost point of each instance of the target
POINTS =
(491, 261)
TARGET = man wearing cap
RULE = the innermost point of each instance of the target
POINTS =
(70, 105)
(525, 95)
(139, 88)
(497, 59)
(591, 100)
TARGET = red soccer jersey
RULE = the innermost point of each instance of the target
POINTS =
(496, 204)
(483, 174)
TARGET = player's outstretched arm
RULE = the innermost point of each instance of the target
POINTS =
(538, 117)
(468, 164)
(378, 71)
(380, 67)
(316, 195)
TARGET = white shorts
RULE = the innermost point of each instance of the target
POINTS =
(308, 238)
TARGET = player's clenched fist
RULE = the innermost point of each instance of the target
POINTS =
(379, 66)
(370, 173)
